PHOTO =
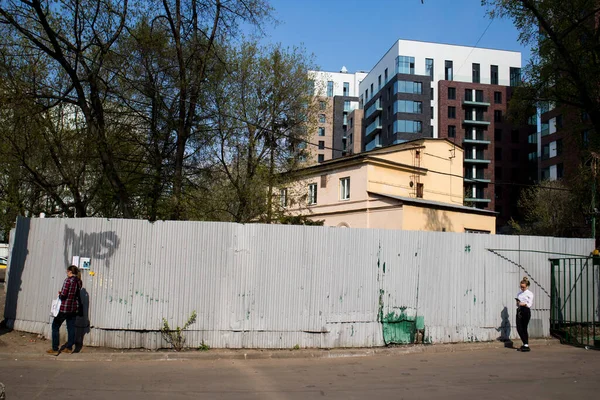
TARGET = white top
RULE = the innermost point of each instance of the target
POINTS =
(525, 296)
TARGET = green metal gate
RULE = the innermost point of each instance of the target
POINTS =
(574, 306)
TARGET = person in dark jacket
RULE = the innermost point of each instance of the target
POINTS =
(68, 311)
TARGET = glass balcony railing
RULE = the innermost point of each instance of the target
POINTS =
(373, 126)
(373, 108)
(376, 142)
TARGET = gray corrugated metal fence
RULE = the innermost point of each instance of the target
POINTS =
(270, 286)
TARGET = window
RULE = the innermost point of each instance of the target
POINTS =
(497, 115)
(321, 145)
(585, 138)
(320, 158)
(559, 147)
(283, 198)
(346, 89)
(451, 112)
(476, 73)
(322, 105)
(479, 96)
(344, 188)
(372, 91)
(431, 111)
(366, 94)
(420, 190)
(379, 82)
(451, 131)
(498, 135)
(405, 126)
(494, 74)
(321, 131)
(560, 171)
(559, 121)
(408, 87)
(431, 93)
(408, 106)
(448, 70)
(498, 97)
(322, 118)
(329, 88)
(515, 76)
(429, 67)
(468, 95)
(351, 122)
(451, 93)
(405, 65)
(347, 105)
(514, 136)
(385, 75)
(498, 154)
(312, 194)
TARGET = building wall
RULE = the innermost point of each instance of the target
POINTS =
(355, 129)
(342, 107)
(507, 151)
(430, 219)
(386, 97)
(441, 182)
(462, 56)
(562, 145)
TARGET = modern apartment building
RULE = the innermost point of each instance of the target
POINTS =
(432, 90)
(421, 61)
(337, 93)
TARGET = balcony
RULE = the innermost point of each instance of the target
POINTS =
(475, 103)
(479, 138)
(373, 127)
(375, 107)
(478, 179)
(477, 200)
(478, 159)
(476, 122)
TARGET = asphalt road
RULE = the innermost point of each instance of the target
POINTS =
(549, 372)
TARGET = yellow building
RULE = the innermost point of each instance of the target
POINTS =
(416, 185)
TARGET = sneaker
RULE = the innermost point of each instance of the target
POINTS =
(53, 352)
(525, 348)
(67, 351)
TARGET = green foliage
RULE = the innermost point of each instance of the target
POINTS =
(175, 336)
(549, 209)
(564, 69)
(299, 220)
(296, 347)
(203, 347)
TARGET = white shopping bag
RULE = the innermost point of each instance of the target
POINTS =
(55, 309)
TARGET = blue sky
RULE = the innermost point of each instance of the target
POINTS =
(357, 34)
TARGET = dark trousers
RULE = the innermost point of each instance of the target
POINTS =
(523, 317)
(58, 320)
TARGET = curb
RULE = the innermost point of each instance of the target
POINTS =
(254, 354)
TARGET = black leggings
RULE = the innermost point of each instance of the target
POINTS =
(523, 317)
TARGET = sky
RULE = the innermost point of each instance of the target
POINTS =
(356, 34)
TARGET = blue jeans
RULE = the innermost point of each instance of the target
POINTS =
(58, 320)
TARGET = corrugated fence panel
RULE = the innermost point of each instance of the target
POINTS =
(273, 286)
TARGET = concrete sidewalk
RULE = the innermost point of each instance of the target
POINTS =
(102, 354)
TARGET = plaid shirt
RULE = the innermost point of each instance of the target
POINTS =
(68, 295)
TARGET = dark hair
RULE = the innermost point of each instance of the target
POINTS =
(73, 269)
(525, 281)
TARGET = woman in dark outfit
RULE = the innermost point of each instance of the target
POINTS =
(524, 302)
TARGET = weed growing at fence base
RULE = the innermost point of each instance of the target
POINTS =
(175, 336)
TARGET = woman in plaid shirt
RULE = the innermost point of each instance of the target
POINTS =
(69, 306)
